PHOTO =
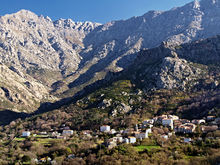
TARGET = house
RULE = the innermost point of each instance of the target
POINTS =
(217, 119)
(160, 118)
(119, 139)
(71, 156)
(148, 131)
(55, 134)
(170, 134)
(128, 131)
(173, 117)
(210, 118)
(187, 140)
(164, 137)
(168, 122)
(66, 128)
(105, 128)
(61, 137)
(141, 135)
(206, 129)
(126, 140)
(67, 132)
(86, 132)
(186, 128)
(26, 134)
(112, 131)
(136, 128)
(118, 135)
(149, 121)
(132, 139)
(184, 121)
(43, 133)
(44, 160)
(198, 122)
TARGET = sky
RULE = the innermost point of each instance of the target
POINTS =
(101, 11)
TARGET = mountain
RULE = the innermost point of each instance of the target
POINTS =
(36, 49)
(20, 91)
(117, 43)
(64, 57)
(182, 80)
(162, 80)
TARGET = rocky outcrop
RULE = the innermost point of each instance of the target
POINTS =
(177, 66)
(122, 108)
(175, 73)
(21, 93)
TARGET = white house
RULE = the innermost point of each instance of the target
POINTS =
(118, 139)
(173, 117)
(187, 140)
(149, 121)
(186, 128)
(132, 139)
(26, 134)
(201, 121)
(164, 137)
(170, 134)
(141, 135)
(105, 128)
(67, 132)
(113, 131)
(168, 122)
(126, 140)
(148, 131)
(61, 137)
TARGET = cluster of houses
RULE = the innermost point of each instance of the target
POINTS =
(142, 131)
(66, 132)
(211, 123)
(174, 123)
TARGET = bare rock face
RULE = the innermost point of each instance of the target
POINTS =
(182, 67)
(21, 93)
(121, 108)
(176, 73)
(28, 40)
(35, 53)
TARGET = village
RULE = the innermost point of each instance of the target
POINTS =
(110, 138)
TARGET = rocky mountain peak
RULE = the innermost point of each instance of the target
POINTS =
(25, 14)
(196, 4)
(79, 26)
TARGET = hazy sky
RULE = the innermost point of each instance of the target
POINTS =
(89, 10)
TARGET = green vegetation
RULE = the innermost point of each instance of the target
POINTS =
(149, 148)
(19, 139)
